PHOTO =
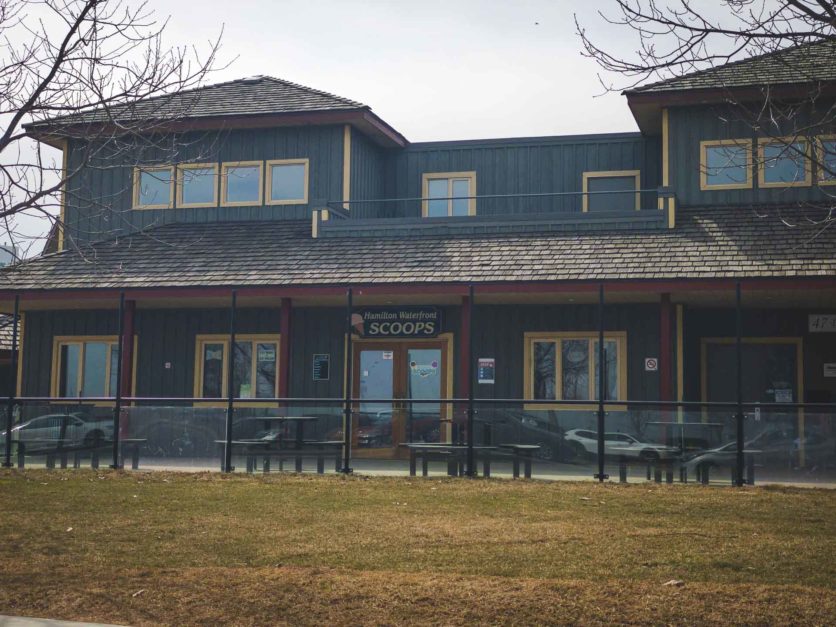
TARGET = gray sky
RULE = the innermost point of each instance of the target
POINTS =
(435, 70)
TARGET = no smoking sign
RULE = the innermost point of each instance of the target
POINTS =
(651, 364)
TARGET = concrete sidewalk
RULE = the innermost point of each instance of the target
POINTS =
(20, 621)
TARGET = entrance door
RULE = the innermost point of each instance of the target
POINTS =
(407, 370)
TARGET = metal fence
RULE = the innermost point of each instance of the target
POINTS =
(688, 442)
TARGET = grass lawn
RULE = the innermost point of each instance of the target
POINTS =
(208, 549)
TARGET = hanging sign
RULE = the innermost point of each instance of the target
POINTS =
(822, 323)
(321, 366)
(397, 322)
(486, 370)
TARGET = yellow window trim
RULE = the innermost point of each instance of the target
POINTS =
(62, 340)
(224, 176)
(431, 176)
(269, 177)
(540, 336)
(598, 174)
(223, 338)
(181, 168)
(808, 175)
(346, 167)
(65, 155)
(705, 145)
(138, 170)
(820, 156)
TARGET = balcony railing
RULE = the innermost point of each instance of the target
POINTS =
(519, 212)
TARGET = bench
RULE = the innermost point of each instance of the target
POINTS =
(269, 451)
(56, 449)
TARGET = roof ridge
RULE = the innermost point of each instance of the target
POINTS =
(757, 57)
(312, 89)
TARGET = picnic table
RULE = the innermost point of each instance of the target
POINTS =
(276, 448)
(59, 448)
(453, 454)
(524, 453)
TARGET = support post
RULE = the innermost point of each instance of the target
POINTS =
(117, 402)
(665, 349)
(284, 347)
(230, 370)
(739, 462)
(349, 383)
(7, 459)
(601, 475)
(467, 327)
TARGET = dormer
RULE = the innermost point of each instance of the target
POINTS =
(753, 132)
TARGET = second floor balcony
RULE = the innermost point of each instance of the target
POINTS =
(627, 209)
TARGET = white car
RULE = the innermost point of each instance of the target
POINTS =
(69, 428)
(585, 443)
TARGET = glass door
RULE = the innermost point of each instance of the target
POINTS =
(410, 371)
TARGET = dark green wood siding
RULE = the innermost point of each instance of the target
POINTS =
(691, 125)
(99, 197)
(367, 175)
(524, 166)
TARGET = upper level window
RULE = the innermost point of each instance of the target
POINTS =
(564, 366)
(197, 185)
(726, 164)
(254, 370)
(827, 160)
(241, 183)
(153, 187)
(608, 190)
(84, 367)
(784, 163)
(287, 182)
(449, 194)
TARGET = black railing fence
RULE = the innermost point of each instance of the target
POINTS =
(550, 438)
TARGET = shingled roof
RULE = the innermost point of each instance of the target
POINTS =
(245, 96)
(808, 63)
(726, 242)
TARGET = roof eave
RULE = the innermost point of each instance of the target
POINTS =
(362, 117)
(647, 106)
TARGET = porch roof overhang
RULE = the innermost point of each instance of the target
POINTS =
(710, 249)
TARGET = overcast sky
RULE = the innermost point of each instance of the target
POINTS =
(435, 70)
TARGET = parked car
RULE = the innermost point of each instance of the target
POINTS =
(585, 443)
(776, 448)
(71, 429)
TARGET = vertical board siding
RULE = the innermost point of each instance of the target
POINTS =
(546, 165)
(691, 125)
(367, 176)
(99, 198)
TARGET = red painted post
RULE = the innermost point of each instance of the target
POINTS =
(284, 350)
(463, 380)
(127, 362)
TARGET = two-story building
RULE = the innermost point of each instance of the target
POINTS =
(474, 266)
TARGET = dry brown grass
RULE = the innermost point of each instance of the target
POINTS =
(206, 549)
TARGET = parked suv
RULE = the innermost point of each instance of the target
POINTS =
(585, 443)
